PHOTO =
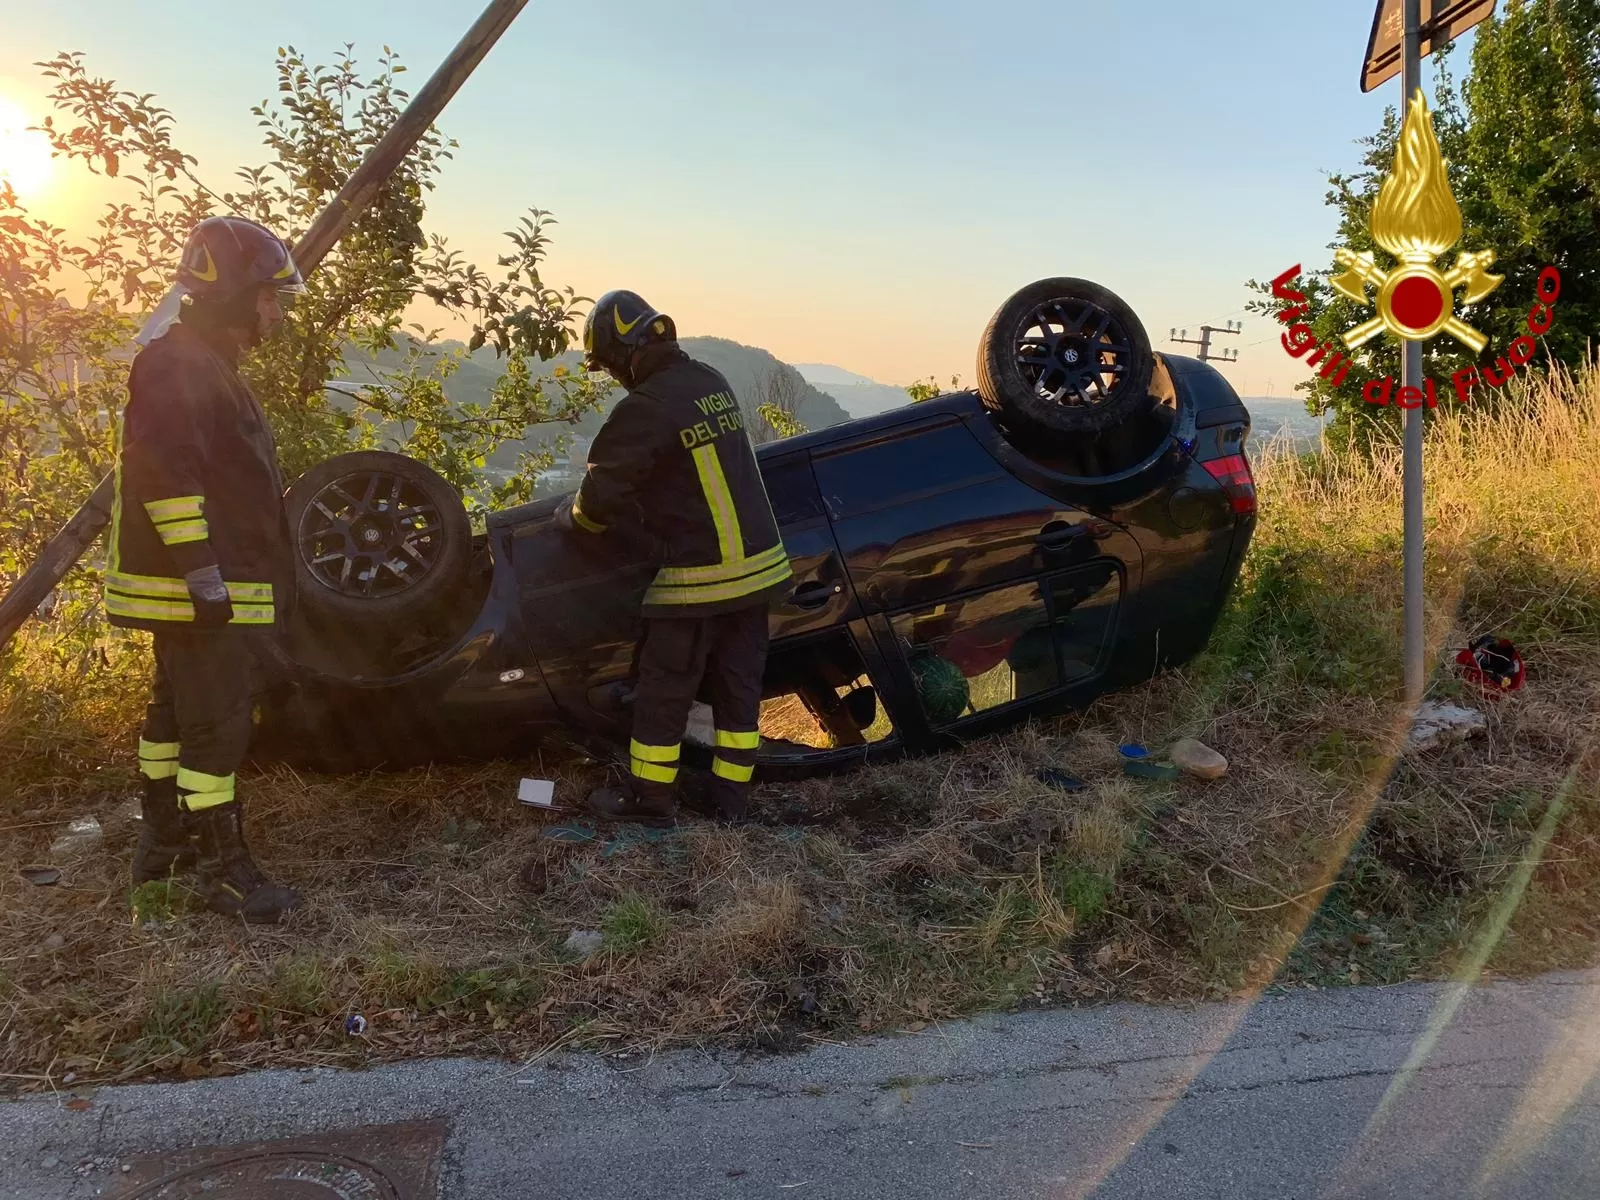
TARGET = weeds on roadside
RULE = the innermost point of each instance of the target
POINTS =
(928, 889)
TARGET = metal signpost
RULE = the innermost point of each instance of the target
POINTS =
(1396, 42)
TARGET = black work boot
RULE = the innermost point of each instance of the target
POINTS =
(230, 881)
(705, 795)
(617, 804)
(164, 844)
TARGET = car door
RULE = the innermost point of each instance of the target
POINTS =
(580, 597)
(984, 594)
(819, 595)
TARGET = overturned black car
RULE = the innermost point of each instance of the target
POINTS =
(960, 564)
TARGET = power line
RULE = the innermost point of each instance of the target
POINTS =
(1238, 312)
(1204, 341)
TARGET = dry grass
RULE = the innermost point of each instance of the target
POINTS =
(918, 892)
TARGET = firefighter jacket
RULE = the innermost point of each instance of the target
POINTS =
(673, 458)
(197, 483)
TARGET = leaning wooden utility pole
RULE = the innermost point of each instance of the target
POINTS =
(358, 192)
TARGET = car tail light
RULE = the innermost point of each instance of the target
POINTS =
(1232, 471)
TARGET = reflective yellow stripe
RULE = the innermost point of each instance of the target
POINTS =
(655, 774)
(146, 585)
(198, 781)
(722, 572)
(155, 610)
(145, 608)
(157, 587)
(176, 508)
(183, 531)
(158, 760)
(654, 754)
(582, 521)
(720, 500)
(202, 790)
(732, 771)
(738, 741)
(714, 593)
(114, 537)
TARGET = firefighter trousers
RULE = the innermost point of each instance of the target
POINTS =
(726, 656)
(198, 724)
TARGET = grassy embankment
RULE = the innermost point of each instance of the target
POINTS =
(923, 891)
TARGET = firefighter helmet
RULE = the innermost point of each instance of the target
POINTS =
(226, 257)
(618, 324)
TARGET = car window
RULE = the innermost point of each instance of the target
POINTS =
(818, 697)
(980, 652)
(984, 651)
(919, 462)
(792, 490)
(1083, 611)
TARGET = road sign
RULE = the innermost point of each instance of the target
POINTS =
(1442, 20)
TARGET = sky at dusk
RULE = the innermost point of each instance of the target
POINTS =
(852, 183)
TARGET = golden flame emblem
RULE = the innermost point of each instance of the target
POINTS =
(1416, 219)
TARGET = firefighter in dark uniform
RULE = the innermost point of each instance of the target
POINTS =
(200, 556)
(673, 460)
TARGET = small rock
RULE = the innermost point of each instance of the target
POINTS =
(54, 942)
(50, 1163)
(1439, 725)
(1198, 759)
(584, 942)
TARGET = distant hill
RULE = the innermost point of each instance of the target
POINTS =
(749, 369)
(856, 394)
(1283, 417)
(823, 374)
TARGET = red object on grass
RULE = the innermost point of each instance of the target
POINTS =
(1493, 664)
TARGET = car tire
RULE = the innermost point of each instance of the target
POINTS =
(1064, 358)
(378, 538)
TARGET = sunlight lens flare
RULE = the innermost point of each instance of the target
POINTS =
(25, 158)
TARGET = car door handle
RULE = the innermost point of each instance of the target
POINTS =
(814, 594)
(1059, 534)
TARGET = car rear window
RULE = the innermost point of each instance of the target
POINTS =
(914, 463)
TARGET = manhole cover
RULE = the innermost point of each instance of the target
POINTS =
(277, 1177)
(396, 1162)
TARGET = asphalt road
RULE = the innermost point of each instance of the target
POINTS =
(1277, 1099)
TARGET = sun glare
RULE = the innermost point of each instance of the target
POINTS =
(25, 160)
